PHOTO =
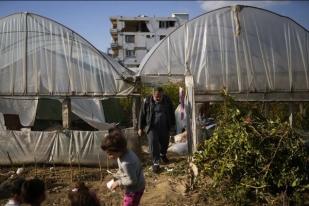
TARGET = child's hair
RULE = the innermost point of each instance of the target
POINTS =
(112, 129)
(15, 186)
(81, 196)
(33, 191)
(114, 141)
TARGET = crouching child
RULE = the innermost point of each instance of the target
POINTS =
(80, 195)
(14, 187)
(33, 192)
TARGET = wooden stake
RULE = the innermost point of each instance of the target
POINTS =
(101, 177)
(35, 169)
(10, 159)
(78, 158)
(71, 168)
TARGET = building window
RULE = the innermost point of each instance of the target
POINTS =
(132, 65)
(148, 36)
(162, 37)
(162, 24)
(130, 53)
(129, 38)
(171, 23)
(166, 24)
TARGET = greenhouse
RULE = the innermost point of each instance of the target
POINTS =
(45, 63)
(252, 53)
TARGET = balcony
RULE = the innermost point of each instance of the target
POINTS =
(113, 31)
(114, 45)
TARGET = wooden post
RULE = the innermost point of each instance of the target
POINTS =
(302, 109)
(198, 125)
(66, 113)
(191, 115)
(291, 112)
(136, 105)
(194, 120)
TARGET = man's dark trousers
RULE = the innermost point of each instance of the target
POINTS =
(158, 140)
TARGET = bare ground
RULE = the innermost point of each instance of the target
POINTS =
(170, 187)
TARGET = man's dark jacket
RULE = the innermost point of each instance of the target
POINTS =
(147, 112)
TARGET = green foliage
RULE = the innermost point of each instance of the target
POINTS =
(252, 159)
(126, 105)
(301, 119)
(118, 110)
(171, 89)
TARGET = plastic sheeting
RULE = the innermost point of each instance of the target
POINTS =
(243, 49)
(2, 122)
(180, 112)
(50, 147)
(90, 110)
(61, 147)
(39, 56)
(180, 116)
(24, 108)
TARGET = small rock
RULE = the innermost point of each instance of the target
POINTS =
(19, 170)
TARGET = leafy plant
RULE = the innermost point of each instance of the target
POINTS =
(253, 159)
(170, 89)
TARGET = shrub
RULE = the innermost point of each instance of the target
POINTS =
(252, 159)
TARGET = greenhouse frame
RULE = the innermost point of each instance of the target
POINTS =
(41, 59)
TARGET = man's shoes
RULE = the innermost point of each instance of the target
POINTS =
(164, 159)
(155, 168)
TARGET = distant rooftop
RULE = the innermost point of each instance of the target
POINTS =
(144, 17)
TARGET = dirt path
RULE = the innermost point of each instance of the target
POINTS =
(166, 188)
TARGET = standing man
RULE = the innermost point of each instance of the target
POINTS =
(157, 120)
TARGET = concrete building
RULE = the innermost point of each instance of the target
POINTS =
(133, 37)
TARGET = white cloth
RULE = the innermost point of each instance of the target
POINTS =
(181, 122)
(12, 203)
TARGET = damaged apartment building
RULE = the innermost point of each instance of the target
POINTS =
(133, 37)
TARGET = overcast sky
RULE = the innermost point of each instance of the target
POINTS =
(91, 18)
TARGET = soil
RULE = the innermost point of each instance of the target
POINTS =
(169, 187)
